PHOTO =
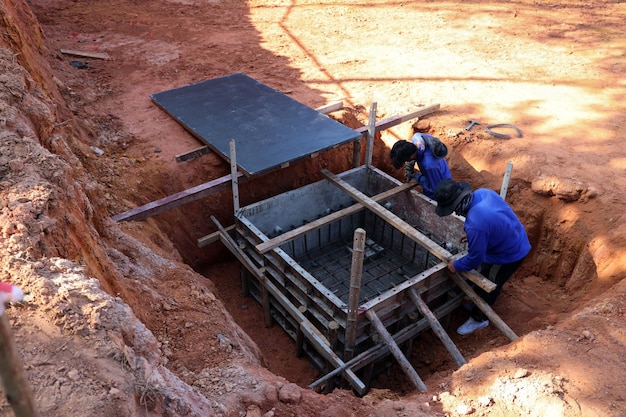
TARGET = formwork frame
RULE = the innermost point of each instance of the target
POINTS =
(317, 319)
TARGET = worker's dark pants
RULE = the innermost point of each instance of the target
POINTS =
(499, 274)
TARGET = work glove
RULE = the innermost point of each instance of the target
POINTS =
(409, 170)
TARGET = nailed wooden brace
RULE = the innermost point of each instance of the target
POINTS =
(404, 363)
(484, 307)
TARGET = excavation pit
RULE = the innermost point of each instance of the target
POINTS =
(298, 255)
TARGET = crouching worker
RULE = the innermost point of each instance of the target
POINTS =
(428, 153)
(497, 241)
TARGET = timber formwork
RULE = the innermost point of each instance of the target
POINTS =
(353, 268)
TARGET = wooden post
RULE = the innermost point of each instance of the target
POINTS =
(395, 351)
(436, 326)
(484, 307)
(358, 250)
(14, 378)
(506, 179)
(233, 174)
(371, 133)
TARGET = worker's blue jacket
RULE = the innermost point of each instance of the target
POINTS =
(494, 233)
(433, 167)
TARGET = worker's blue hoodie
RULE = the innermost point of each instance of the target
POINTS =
(494, 233)
(430, 160)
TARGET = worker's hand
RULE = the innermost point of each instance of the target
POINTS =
(451, 267)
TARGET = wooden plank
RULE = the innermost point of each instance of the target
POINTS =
(329, 108)
(437, 327)
(196, 153)
(213, 237)
(484, 307)
(322, 221)
(405, 228)
(176, 200)
(396, 120)
(404, 363)
(84, 54)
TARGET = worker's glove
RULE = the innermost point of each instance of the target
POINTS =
(409, 170)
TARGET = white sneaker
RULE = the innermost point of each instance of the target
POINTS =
(471, 325)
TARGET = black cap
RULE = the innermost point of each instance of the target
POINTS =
(449, 194)
(401, 152)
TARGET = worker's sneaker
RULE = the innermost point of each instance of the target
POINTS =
(471, 325)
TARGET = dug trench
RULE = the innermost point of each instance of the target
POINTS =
(555, 279)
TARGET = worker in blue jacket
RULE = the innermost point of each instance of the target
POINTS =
(497, 241)
(429, 154)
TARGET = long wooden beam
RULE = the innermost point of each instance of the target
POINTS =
(436, 327)
(484, 307)
(322, 221)
(405, 228)
(396, 120)
(404, 363)
(177, 200)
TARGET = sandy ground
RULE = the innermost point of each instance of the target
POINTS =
(555, 70)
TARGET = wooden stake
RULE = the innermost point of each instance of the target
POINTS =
(371, 133)
(505, 181)
(358, 251)
(14, 378)
(395, 351)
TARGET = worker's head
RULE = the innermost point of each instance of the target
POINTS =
(401, 152)
(449, 194)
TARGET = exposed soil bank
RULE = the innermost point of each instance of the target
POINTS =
(116, 322)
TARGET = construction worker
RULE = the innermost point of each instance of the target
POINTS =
(428, 153)
(496, 240)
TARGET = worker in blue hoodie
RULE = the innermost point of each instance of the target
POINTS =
(497, 241)
(429, 154)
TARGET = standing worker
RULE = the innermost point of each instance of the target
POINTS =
(496, 240)
(429, 153)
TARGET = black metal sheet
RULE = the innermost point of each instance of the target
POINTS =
(269, 128)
